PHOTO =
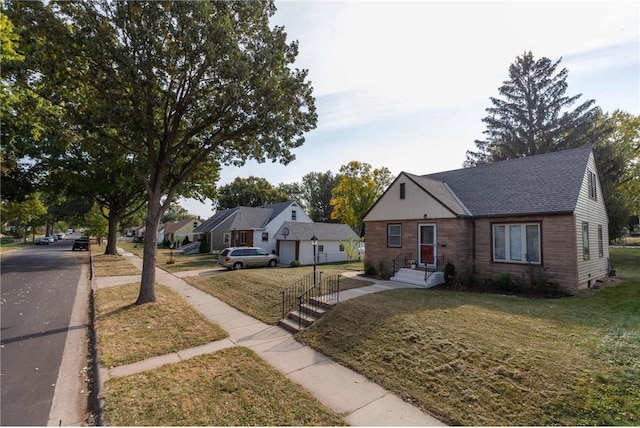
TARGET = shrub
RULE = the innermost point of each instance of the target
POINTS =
(505, 282)
(369, 268)
(542, 282)
(295, 263)
(185, 241)
(450, 273)
(381, 271)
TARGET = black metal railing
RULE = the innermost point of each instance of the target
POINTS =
(437, 266)
(325, 291)
(290, 296)
(401, 260)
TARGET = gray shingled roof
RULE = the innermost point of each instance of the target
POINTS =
(213, 221)
(251, 218)
(323, 231)
(547, 183)
(441, 192)
(248, 217)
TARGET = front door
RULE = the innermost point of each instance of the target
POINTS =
(427, 244)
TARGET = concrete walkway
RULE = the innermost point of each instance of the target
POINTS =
(360, 401)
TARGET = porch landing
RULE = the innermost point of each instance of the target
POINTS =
(416, 277)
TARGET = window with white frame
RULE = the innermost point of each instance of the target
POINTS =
(394, 235)
(517, 243)
(294, 215)
(225, 238)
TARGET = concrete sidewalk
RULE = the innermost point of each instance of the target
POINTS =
(360, 401)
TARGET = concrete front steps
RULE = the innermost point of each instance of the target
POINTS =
(416, 277)
(312, 311)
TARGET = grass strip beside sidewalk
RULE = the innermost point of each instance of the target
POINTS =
(231, 387)
(128, 333)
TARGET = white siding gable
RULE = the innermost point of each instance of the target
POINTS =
(272, 227)
(591, 211)
(417, 203)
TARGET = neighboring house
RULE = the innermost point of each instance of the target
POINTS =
(294, 242)
(161, 232)
(249, 226)
(176, 231)
(544, 212)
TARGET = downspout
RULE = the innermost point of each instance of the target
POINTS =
(473, 248)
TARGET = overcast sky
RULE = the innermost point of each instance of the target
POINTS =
(405, 85)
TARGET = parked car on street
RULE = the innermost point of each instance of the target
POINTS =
(81, 243)
(244, 257)
(43, 240)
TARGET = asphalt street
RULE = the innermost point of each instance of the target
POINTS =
(39, 287)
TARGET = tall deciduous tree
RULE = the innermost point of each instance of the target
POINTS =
(534, 115)
(317, 188)
(249, 192)
(359, 187)
(618, 157)
(25, 213)
(187, 84)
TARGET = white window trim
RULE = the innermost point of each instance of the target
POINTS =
(523, 243)
(399, 236)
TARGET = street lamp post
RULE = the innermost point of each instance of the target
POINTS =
(314, 244)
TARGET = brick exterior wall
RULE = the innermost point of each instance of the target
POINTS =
(456, 239)
(559, 253)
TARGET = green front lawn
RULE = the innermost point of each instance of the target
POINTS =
(474, 359)
(257, 292)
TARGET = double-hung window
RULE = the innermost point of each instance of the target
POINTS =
(585, 241)
(517, 243)
(600, 242)
(394, 235)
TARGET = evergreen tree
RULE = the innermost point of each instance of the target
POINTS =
(534, 115)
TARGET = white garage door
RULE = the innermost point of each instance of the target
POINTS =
(287, 252)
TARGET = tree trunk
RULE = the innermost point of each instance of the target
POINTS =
(112, 237)
(147, 285)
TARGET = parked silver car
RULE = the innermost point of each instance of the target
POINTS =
(244, 257)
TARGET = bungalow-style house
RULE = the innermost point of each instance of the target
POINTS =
(543, 212)
(249, 226)
(176, 231)
(293, 242)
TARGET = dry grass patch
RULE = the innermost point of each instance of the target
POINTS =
(128, 333)
(109, 265)
(257, 292)
(182, 262)
(474, 359)
(232, 387)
